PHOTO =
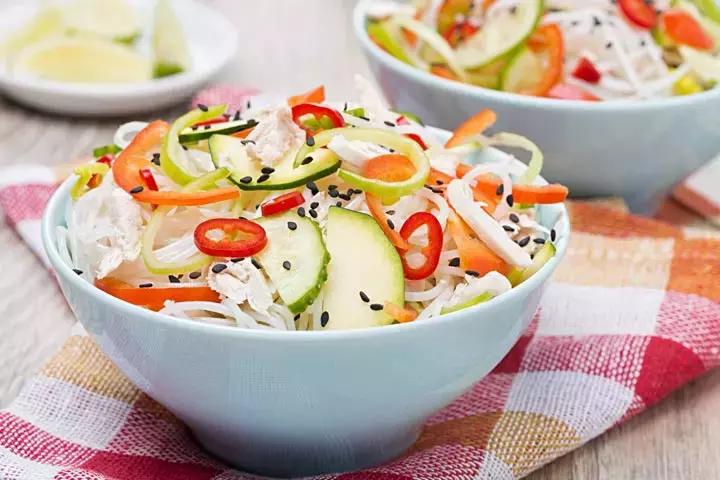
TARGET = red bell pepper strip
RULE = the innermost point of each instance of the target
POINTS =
(317, 111)
(282, 203)
(106, 159)
(126, 173)
(316, 95)
(474, 125)
(474, 254)
(154, 298)
(417, 139)
(587, 71)
(681, 27)
(563, 91)
(431, 251)
(548, 39)
(639, 12)
(227, 246)
(402, 315)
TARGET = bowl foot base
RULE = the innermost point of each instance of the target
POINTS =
(307, 455)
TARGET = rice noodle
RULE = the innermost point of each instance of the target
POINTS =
(126, 132)
(425, 295)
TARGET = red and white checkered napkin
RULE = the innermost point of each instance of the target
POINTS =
(632, 314)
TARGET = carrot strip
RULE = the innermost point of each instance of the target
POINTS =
(316, 95)
(478, 123)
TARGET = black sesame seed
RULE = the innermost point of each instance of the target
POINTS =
(345, 107)
(596, 22)
(524, 241)
(390, 224)
(500, 190)
(267, 170)
(514, 218)
(137, 189)
(194, 275)
(454, 262)
(287, 265)
(202, 107)
(439, 182)
(642, 43)
(256, 264)
(226, 116)
(306, 161)
(608, 45)
(310, 141)
(391, 150)
(194, 127)
(350, 191)
(184, 147)
(248, 105)
(301, 211)
(324, 318)
(338, 204)
(297, 317)
(245, 142)
(145, 285)
(364, 297)
(575, 23)
(508, 228)
(344, 196)
(510, 200)
(333, 193)
(376, 306)
(364, 118)
(314, 205)
(389, 123)
(219, 267)
(292, 225)
(539, 240)
(208, 127)
(390, 212)
(237, 116)
(553, 235)
(173, 279)
(513, 10)
(262, 178)
(313, 213)
(532, 255)
(332, 187)
(357, 191)
(247, 179)
(156, 159)
(237, 259)
(77, 271)
(472, 273)
(312, 187)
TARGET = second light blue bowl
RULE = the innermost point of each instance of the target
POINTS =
(634, 149)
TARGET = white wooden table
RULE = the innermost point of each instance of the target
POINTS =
(291, 46)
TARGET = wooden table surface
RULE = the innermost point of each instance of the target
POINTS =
(291, 46)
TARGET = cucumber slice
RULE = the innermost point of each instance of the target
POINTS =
(169, 45)
(519, 275)
(363, 260)
(189, 135)
(523, 71)
(474, 301)
(230, 152)
(500, 35)
(304, 248)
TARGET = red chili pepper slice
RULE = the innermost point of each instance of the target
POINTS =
(401, 120)
(431, 251)
(317, 111)
(106, 159)
(587, 71)
(418, 139)
(227, 247)
(282, 203)
(149, 179)
(639, 12)
(212, 121)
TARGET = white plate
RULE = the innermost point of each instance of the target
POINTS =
(211, 38)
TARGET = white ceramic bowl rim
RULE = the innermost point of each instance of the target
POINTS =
(130, 90)
(428, 79)
(49, 222)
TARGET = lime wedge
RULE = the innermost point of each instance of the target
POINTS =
(170, 48)
(81, 59)
(110, 19)
(46, 23)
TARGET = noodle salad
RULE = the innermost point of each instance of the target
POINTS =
(588, 50)
(303, 215)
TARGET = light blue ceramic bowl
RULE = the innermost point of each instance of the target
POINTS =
(634, 149)
(300, 403)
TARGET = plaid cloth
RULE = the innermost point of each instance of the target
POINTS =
(632, 314)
